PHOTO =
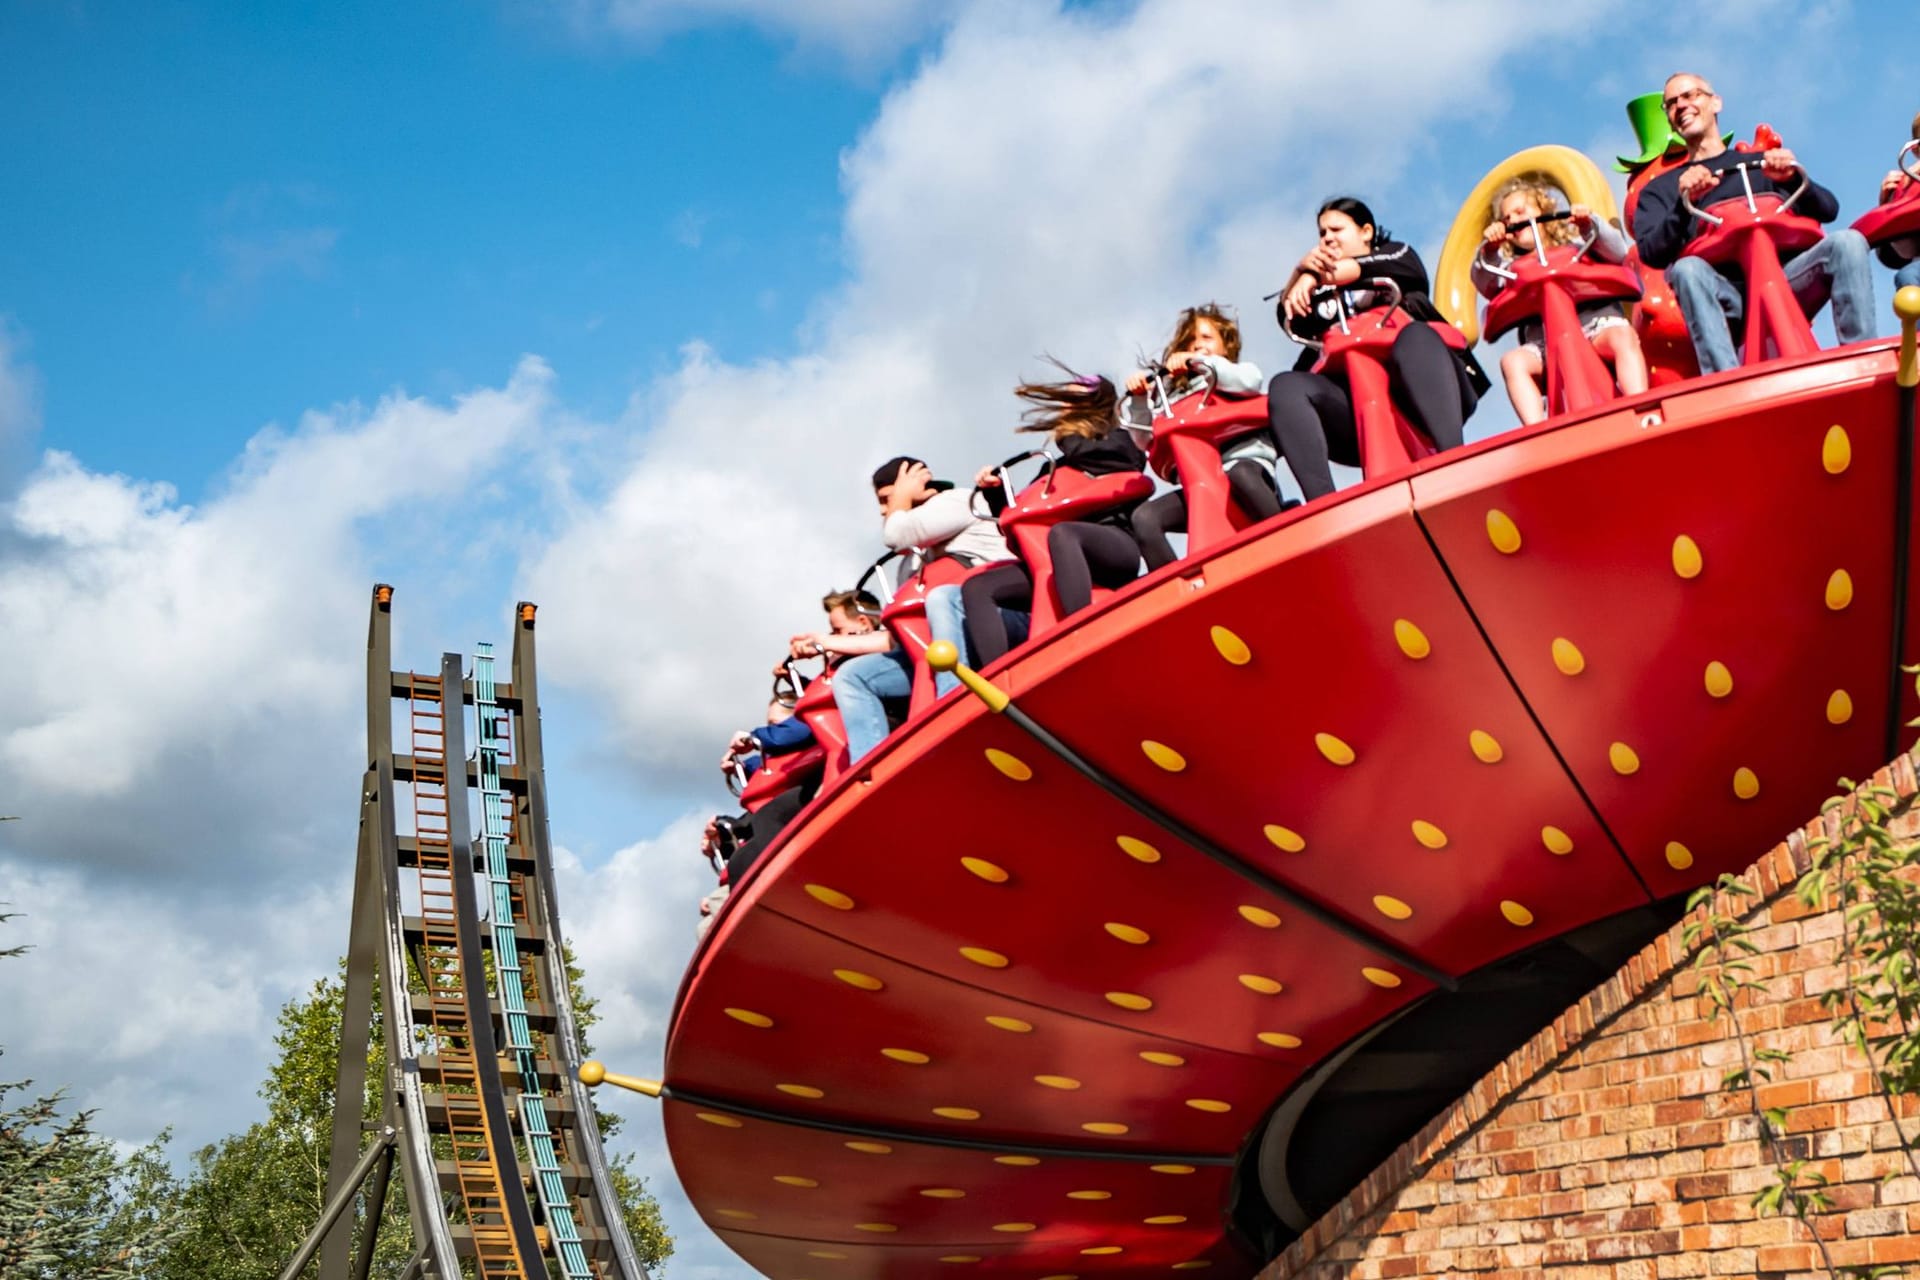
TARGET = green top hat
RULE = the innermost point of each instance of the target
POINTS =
(1648, 115)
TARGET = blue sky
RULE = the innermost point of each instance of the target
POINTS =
(612, 304)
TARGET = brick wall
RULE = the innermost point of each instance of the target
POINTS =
(1606, 1146)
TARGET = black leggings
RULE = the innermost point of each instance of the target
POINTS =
(1153, 521)
(1084, 555)
(1312, 414)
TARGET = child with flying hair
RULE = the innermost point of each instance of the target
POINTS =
(1605, 324)
(1903, 255)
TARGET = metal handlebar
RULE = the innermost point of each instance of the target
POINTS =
(858, 587)
(1745, 170)
(1339, 294)
(1540, 245)
(736, 777)
(1910, 152)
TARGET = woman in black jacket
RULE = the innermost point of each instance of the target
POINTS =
(1311, 413)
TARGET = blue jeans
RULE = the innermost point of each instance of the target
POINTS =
(1909, 274)
(1839, 268)
(861, 684)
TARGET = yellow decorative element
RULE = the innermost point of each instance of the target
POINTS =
(1011, 765)
(1128, 1000)
(1057, 1082)
(912, 1057)
(878, 1228)
(1719, 680)
(1839, 590)
(1623, 759)
(1164, 756)
(1265, 986)
(1679, 857)
(1198, 1264)
(944, 655)
(801, 1090)
(869, 1148)
(1558, 842)
(1567, 657)
(1019, 1026)
(1686, 557)
(1502, 532)
(714, 1117)
(1906, 305)
(855, 978)
(1171, 1168)
(1517, 915)
(1231, 647)
(1015, 1227)
(1160, 1059)
(1165, 1220)
(1279, 1040)
(1259, 916)
(956, 1113)
(1128, 933)
(1839, 707)
(961, 1257)
(1485, 747)
(1429, 835)
(1105, 1128)
(1836, 451)
(751, 1018)
(1411, 639)
(1333, 749)
(1391, 908)
(1212, 1106)
(594, 1073)
(1380, 977)
(1746, 784)
(794, 1180)
(738, 1215)
(1089, 1195)
(1101, 1249)
(831, 897)
(1563, 167)
(1284, 838)
(1138, 850)
(985, 958)
(1018, 1162)
(944, 1193)
(828, 1254)
(987, 871)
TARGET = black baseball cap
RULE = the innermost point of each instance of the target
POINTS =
(887, 472)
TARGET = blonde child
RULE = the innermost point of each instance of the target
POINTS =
(1605, 324)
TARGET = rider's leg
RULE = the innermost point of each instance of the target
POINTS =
(1709, 304)
(1252, 490)
(946, 620)
(1619, 345)
(1909, 274)
(1839, 267)
(1426, 382)
(1153, 520)
(983, 595)
(1085, 554)
(1305, 410)
(859, 685)
(1520, 367)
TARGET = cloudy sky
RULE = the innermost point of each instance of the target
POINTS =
(612, 305)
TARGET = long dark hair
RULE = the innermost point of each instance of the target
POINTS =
(1356, 209)
(1082, 405)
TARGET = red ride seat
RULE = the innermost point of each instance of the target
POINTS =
(1548, 288)
(1187, 443)
(1899, 218)
(1059, 496)
(816, 706)
(1751, 233)
(906, 617)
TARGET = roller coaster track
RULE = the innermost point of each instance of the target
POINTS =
(495, 1136)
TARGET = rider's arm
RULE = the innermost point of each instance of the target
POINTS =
(1236, 378)
(1483, 278)
(787, 735)
(1661, 225)
(1398, 263)
(861, 642)
(1610, 243)
(1819, 203)
(930, 523)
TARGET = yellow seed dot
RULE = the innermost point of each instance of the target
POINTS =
(1411, 639)
(1212, 1106)
(1679, 857)
(1485, 746)
(1105, 1128)
(1429, 835)
(1686, 557)
(1516, 915)
(912, 1057)
(1164, 756)
(855, 978)
(828, 1254)
(1231, 647)
(1057, 1082)
(1165, 1220)
(1391, 908)
(878, 1228)
(1138, 850)
(1333, 749)
(1159, 1059)
(1502, 532)
(1018, 1162)
(794, 1180)
(1264, 985)
(869, 1148)
(1019, 1026)
(1101, 1249)
(751, 1018)
(1839, 590)
(960, 1257)
(1171, 1168)
(1567, 657)
(738, 1215)
(1839, 707)
(1284, 838)
(1279, 1040)
(1198, 1264)
(1623, 759)
(1836, 451)
(831, 897)
(801, 1090)
(1128, 933)
(956, 1113)
(1719, 680)
(1089, 1195)
(1380, 977)
(987, 871)
(725, 1122)
(1260, 916)
(985, 958)
(1011, 765)
(944, 1193)
(1128, 1000)
(1746, 784)
(1014, 1227)
(1558, 842)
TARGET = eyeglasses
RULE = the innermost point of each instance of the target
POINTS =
(1686, 95)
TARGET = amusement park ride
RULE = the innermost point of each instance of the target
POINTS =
(1134, 958)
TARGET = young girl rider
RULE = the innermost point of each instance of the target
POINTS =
(1605, 324)
(1205, 335)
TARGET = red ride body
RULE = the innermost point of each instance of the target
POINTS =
(1752, 238)
(1060, 496)
(1550, 292)
(1188, 444)
(1897, 219)
(1388, 442)
(906, 617)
